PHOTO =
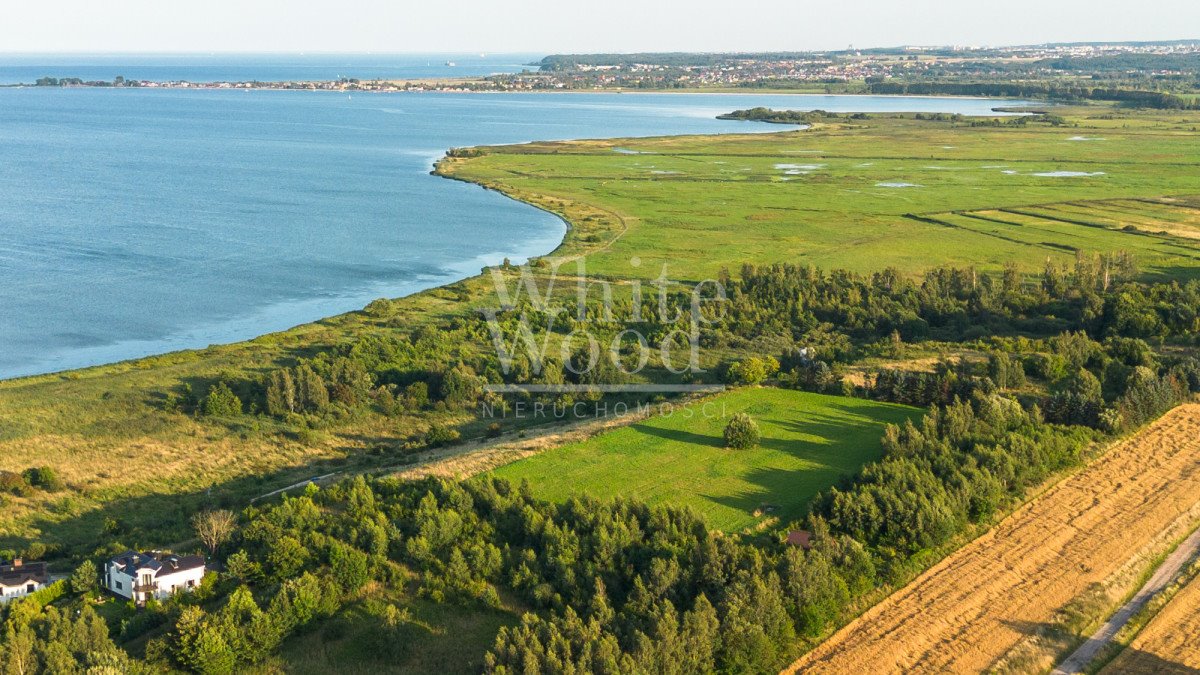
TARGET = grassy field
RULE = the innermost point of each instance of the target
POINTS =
(844, 195)
(809, 441)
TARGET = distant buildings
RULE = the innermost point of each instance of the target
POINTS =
(141, 576)
(18, 579)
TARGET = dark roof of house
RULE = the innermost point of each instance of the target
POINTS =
(132, 562)
(14, 574)
(801, 538)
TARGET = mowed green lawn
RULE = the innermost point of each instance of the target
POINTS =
(841, 196)
(809, 441)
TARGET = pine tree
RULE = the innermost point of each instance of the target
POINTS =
(281, 393)
(311, 393)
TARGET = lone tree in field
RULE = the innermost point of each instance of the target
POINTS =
(742, 432)
(214, 528)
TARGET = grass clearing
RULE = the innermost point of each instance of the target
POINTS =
(808, 442)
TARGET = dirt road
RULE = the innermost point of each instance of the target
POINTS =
(1169, 644)
(1162, 577)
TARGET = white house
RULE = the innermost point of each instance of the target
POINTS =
(141, 576)
(18, 579)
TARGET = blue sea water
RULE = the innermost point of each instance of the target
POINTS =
(135, 222)
(27, 68)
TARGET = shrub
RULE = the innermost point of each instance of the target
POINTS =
(742, 432)
(380, 309)
(1111, 420)
(416, 395)
(351, 567)
(439, 435)
(752, 370)
(460, 386)
(221, 402)
(13, 483)
(35, 550)
(43, 477)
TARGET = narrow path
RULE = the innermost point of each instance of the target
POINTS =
(293, 486)
(471, 456)
(1164, 575)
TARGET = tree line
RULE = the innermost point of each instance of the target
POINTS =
(1069, 92)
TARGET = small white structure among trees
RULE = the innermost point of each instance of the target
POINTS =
(18, 579)
(141, 576)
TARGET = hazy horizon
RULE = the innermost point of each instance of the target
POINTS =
(190, 27)
(542, 53)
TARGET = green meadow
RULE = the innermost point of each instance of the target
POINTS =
(858, 194)
(678, 457)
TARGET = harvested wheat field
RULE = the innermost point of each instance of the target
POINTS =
(977, 604)
(1170, 643)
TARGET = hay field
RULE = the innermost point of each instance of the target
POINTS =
(981, 601)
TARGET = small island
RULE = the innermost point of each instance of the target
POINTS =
(771, 116)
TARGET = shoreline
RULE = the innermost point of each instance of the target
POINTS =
(83, 371)
(448, 87)
(461, 267)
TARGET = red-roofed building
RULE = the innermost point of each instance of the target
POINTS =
(801, 538)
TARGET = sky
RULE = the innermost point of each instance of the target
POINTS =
(571, 26)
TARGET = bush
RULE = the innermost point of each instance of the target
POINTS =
(43, 477)
(460, 386)
(416, 395)
(351, 567)
(742, 432)
(752, 370)
(221, 402)
(46, 595)
(1111, 420)
(439, 435)
(13, 483)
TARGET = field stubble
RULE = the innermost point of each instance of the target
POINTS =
(1006, 587)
